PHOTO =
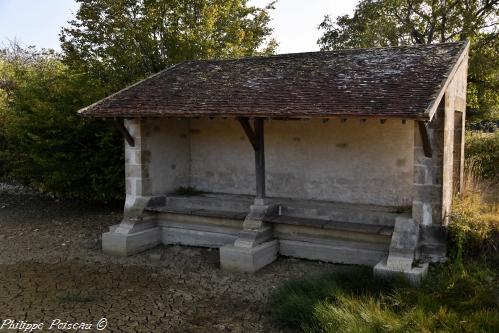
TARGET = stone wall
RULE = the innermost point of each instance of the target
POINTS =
(353, 161)
(167, 147)
(137, 160)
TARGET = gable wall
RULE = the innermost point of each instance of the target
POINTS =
(455, 101)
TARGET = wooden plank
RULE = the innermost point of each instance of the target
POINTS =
(129, 139)
(425, 139)
(249, 131)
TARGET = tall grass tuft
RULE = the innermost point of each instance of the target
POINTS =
(459, 296)
(482, 157)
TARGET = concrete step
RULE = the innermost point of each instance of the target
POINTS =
(383, 230)
(211, 201)
(349, 213)
(223, 214)
(342, 253)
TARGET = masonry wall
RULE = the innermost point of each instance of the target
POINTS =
(167, 147)
(352, 161)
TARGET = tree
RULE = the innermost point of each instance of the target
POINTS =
(121, 41)
(378, 23)
(110, 44)
(43, 141)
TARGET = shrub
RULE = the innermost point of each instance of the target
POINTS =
(474, 230)
(482, 156)
(45, 143)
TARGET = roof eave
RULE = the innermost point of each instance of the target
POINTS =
(432, 107)
(83, 111)
(412, 116)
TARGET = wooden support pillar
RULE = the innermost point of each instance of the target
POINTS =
(259, 158)
(425, 138)
(256, 137)
(129, 139)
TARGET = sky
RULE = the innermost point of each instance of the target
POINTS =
(38, 22)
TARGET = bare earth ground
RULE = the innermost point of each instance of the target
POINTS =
(52, 267)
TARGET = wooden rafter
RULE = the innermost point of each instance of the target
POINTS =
(425, 138)
(250, 133)
(124, 131)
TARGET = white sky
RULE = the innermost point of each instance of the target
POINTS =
(38, 22)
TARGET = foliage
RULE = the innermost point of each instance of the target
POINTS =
(474, 230)
(482, 156)
(449, 300)
(109, 45)
(121, 41)
(403, 22)
(46, 144)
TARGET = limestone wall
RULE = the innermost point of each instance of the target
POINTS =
(167, 147)
(354, 161)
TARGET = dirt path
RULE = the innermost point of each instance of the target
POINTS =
(52, 267)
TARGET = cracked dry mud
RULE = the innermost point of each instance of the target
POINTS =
(51, 266)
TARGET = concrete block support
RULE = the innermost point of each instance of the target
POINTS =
(254, 248)
(249, 260)
(403, 253)
(430, 184)
(125, 244)
(414, 275)
(417, 238)
(404, 244)
(136, 232)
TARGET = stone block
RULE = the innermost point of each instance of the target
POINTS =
(419, 174)
(136, 171)
(428, 193)
(403, 244)
(122, 244)
(143, 186)
(339, 253)
(413, 275)
(248, 260)
(433, 240)
(202, 238)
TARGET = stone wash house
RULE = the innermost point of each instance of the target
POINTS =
(349, 156)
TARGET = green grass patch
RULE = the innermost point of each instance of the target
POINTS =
(451, 299)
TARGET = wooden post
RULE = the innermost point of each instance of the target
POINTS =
(259, 158)
(425, 138)
(129, 139)
(256, 138)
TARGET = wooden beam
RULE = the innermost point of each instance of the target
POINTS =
(124, 131)
(425, 139)
(249, 131)
(259, 158)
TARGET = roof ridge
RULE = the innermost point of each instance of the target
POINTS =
(291, 54)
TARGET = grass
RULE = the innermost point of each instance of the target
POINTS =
(459, 296)
(452, 299)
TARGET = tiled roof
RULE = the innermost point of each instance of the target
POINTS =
(384, 82)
